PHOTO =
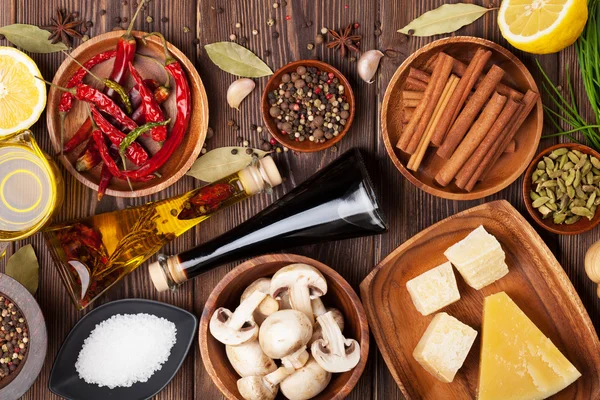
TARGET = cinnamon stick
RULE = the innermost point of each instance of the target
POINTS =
(461, 93)
(512, 146)
(473, 139)
(419, 74)
(440, 108)
(410, 103)
(412, 95)
(529, 101)
(469, 113)
(438, 81)
(414, 84)
(423, 112)
(493, 136)
(459, 69)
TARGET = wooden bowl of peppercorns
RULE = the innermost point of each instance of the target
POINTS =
(23, 337)
(308, 106)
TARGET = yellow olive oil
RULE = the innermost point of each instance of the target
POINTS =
(31, 188)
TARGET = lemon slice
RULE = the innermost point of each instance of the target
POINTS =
(542, 26)
(22, 97)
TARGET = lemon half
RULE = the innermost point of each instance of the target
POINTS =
(542, 26)
(22, 96)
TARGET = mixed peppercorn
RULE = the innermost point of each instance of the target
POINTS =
(309, 104)
(14, 337)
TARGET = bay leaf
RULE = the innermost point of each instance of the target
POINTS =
(237, 60)
(23, 267)
(445, 19)
(220, 162)
(31, 38)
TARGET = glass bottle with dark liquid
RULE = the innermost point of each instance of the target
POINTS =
(336, 203)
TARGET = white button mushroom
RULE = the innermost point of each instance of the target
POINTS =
(317, 331)
(238, 327)
(263, 387)
(268, 306)
(248, 359)
(284, 336)
(306, 382)
(334, 352)
(303, 283)
(318, 307)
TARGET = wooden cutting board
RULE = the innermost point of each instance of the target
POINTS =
(536, 282)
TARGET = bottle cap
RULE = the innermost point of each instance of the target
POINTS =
(157, 274)
(269, 171)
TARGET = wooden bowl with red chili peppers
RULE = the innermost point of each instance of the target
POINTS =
(135, 138)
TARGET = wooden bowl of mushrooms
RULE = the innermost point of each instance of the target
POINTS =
(284, 326)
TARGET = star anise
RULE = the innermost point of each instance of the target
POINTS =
(63, 28)
(344, 40)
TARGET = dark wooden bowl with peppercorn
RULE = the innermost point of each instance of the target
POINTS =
(23, 339)
(308, 106)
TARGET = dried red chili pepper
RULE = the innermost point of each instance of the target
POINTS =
(206, 201)
(105, 175)
(135, 152)
(110, 163)
(152, 110)
(66, 99)
(134, 93)
(161, 94)
(126, 48)
(184, 111)
(83, 133)
(88, 158)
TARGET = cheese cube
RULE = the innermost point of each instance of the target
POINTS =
(479, 258)
(434, 289)
(444, 346)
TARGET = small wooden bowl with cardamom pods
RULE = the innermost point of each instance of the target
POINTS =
(575, 175)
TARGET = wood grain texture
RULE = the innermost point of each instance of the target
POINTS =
(536, 282)
(227, 294)
(409, 210)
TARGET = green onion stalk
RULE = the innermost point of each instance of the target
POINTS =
(588, 55)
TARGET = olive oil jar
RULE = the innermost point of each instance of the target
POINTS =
(31, 187)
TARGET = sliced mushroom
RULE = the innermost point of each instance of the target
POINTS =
(334, 352)
(248, 359)
(306, 382)
(317, 331)
(303, 283)
(238, 327)
(263, 387)
(268, 306)
(284, 336)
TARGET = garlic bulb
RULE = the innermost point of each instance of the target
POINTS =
(238, 91)
(368, 64)
(592, 264)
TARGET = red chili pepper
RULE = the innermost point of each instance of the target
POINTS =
(105, 175)
(110, 163)
(135, 152)
(104, 103)
(88, 158)
(66, 100)
(207, 200)
(184, 111)
(126, 48)
(134, 93)
(152, 111)
(84, 133)
(161, 94)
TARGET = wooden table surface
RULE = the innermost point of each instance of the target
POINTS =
(409, 210)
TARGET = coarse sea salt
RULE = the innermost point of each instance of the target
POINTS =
(125, 349)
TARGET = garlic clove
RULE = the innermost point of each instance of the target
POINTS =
(238, 91)
(368, 64)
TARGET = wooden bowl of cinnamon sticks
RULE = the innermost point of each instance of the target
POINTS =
(462, 118)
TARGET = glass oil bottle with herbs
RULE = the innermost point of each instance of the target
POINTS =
(94, 253)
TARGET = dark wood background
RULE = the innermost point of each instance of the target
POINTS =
(409, 210)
